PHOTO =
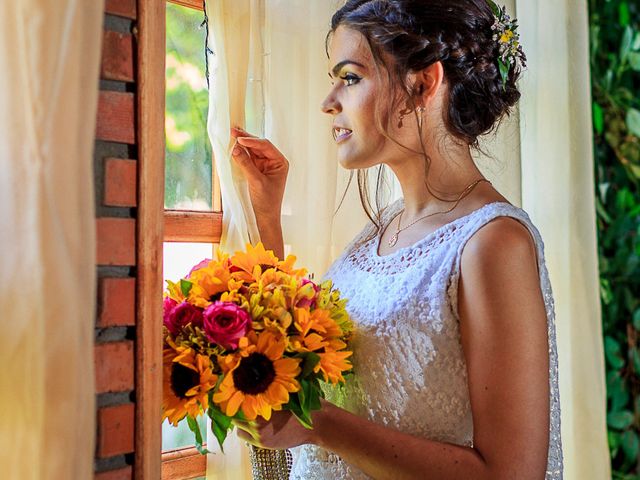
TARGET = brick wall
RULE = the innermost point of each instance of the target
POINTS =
(115, 170)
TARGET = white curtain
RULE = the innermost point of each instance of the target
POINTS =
(49, 58)
(540, 159)
(558, 192)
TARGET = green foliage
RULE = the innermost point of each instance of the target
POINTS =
(188, 151)
(615, 66)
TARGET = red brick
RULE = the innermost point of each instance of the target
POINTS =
(120, 182)
(114, 366)
(116, 241)
(117, 302)
(117, 56)
(120, 474)
(122, 8)
(116, 121)
(115, 430)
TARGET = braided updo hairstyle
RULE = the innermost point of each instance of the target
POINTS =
(418, 33)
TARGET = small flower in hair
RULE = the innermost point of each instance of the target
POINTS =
(510, 53)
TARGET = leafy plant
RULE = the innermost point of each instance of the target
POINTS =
(615, 67)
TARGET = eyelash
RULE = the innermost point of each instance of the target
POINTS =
(349, 77)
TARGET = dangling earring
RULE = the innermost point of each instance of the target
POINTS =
(420, 111)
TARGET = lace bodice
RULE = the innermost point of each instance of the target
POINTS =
(410, 371)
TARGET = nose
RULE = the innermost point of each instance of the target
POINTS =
(330, 105)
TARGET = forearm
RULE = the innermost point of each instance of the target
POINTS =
(384, 453)
(270, 230)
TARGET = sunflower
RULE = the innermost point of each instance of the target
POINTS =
(258, 379)
(246, 263)
(210, 283)
(188, 378)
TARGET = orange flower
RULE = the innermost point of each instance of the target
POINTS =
(332, 364)
(209, 284)
(188, 378)
(257, 379)
(319, 321)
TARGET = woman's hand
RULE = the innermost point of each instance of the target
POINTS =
(265, 169)
(281, 432)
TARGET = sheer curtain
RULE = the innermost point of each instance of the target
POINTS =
(558, 192)
(49, 58)
(540, 160)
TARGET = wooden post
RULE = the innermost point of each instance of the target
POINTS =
(151, 165)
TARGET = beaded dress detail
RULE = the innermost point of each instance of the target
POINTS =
(410, 371)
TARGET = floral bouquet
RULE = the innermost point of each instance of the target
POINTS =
(249, 334)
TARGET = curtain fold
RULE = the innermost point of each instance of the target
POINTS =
(49, 56)
(558, 192)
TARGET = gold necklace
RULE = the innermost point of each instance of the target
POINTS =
(394, 239)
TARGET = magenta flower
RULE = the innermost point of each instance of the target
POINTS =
(182, 315)
(308, 301)
(225, 323)
(202, 264)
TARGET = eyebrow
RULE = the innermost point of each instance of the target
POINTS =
(341, 64)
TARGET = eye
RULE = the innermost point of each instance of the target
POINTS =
(351, 79)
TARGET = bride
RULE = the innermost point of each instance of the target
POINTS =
(455, 358)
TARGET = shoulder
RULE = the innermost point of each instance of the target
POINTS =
(501, 239)
(499, 257)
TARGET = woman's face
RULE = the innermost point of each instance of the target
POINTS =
(352, 101)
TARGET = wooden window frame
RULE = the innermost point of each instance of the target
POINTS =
(154, 227)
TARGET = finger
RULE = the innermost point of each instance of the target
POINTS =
(245, 162)
(240, 132)
(260, 144)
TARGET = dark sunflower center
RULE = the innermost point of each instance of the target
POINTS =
(265, 267)
(183, 379)
(215, 297)
(254, 374)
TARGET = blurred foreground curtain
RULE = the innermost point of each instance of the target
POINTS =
(558, 192)
(49, 59)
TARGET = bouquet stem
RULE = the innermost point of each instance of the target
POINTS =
(270, 464)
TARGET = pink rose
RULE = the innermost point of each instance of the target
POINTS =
(168, 304)
(306, 301)
(225, 323)
(182, 315)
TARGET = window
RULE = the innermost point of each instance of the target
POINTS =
(193, 217)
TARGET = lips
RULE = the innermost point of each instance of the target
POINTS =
(340, 133)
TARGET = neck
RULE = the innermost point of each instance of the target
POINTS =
(451, 171)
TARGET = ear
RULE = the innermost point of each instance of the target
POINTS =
(427, 82)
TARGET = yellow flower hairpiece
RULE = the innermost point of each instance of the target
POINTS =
(510, 53)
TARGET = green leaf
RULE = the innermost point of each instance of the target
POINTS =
(635, 356)
(636, 319)
(193, 426)
(620, 420)
(630, 445)
(624, 17)
(598, 118)
(185, 286)
(625, 44)
(311, 359)
(634, 61)
(504, 73)
(494, 8)
(220, 424)
(613, 353)
(633, 121)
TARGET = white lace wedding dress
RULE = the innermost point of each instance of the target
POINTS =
(410, 371)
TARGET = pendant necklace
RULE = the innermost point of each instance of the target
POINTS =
(394, 239)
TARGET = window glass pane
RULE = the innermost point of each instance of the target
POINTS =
(178, 260)
(188, 151)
